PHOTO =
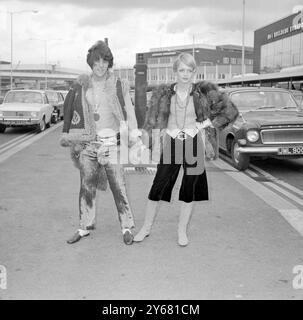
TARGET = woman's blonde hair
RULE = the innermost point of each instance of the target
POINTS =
(187, 59)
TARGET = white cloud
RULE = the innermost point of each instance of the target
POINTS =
(132, 26)
(297, 8)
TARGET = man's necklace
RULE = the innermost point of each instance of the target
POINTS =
(98, 90)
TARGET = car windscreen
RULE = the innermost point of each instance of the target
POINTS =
(23, 97)
(52, 97)
(262, 100)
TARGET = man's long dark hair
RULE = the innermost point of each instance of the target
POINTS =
(97, 51)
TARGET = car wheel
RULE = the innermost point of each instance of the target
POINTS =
(42, 125)
(240, 160)
(2, 128)
(54, 118)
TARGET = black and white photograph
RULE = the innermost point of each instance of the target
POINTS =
(151, 151)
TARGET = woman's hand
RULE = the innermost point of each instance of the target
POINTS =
(205, 124)
(136, 152)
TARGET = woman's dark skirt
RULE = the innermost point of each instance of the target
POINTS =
(191, 155)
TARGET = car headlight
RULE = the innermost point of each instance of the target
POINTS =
(253, 135)
(1, 113)
(34, 114)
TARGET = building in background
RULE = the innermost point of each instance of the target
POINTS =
(214, 62)
(279, 45)
(126, 73)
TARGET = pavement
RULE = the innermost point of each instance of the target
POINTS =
(240, 248)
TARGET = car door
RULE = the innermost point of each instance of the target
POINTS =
(47, 108)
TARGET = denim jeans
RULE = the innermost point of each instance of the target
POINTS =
(90, 163)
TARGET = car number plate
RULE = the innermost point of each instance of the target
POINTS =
(10, 122)
(292, 150)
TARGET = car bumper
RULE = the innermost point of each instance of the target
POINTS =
(19, 122)
(273, 150)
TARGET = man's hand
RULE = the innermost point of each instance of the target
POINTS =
(64, 142)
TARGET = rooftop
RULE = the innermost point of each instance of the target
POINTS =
(231, 47)
(188, 46)
(39, 67)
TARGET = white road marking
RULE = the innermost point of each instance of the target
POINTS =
(140, 169)
(28, 142)
(284, 192)
(252, 173)
(276, 180)
(129, 169)
(10, 145)
(268, 176)
(290, 187)
(15, 139)
(290, 212)
(294, 218)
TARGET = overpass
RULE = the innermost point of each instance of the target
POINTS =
(36, 76)
(35, 80)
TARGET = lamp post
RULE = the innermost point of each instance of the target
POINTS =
(195, 35)
(243, 39)
(11, 18)
(45, 54)
(194, 46)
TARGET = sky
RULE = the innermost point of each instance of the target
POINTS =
(67, 28)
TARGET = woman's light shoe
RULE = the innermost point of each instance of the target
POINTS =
(182, 239)
(141, 235)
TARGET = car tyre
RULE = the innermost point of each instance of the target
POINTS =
(2, 128)
(55, 118)
(240, 160)
(42, 125)
(49, 123)
(58, 116)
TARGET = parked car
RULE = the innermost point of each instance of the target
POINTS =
(25, 108)
(56, 99)
(267, 126)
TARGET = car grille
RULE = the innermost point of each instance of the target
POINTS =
(282, 136)
(16, 114)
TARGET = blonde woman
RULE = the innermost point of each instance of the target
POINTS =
(189, 115)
